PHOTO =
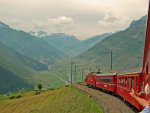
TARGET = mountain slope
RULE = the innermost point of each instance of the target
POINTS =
(126, 46)
(90, 42)
(66, 43)
(15, 61)
(30, 46)
(17, 68)
(10, 82)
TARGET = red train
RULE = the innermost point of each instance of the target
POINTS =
(122, 84)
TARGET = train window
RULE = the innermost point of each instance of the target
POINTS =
(136, 83)
(128, 82)
(98, 79)
(132, 82)
(118, 80)
(109, 80)
(147, 69)
(123, 81)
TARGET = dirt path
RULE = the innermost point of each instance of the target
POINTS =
(111, 104)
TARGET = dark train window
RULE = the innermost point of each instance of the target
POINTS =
(128, 82)
(147, 69)
(109, 80)
(125, 82)
(132, 82)
(136, 83)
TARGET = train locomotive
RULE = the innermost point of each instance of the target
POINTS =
(122, 84)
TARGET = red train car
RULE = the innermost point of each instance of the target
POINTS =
(91, 79)
(106, 81)
(125, 84)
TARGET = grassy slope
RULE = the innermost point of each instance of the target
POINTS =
(47, 79)
(64, 100)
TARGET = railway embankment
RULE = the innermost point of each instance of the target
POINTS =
(110, 103)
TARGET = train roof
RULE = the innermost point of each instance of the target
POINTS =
(129, 72)
(106, 74)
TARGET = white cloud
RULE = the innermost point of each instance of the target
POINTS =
(113, 22)
(61, 21)
(60, 24)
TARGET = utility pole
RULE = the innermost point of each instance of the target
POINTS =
(99, 70)
(82, 74)
(75, 73)
(71, 73)
(111, 61)
(90, 69)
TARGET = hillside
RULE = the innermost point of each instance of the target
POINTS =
(20, 65)
(20, 68)
(17, 68)
(10, 82)
(29, 46)
(90, 42)
(16, 59)
(126, 46)
(63, 100)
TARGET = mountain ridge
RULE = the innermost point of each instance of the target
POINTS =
(30, 46)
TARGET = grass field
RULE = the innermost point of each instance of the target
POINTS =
(63, 100)
(48, 80)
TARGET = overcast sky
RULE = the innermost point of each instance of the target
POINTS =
(82, 18)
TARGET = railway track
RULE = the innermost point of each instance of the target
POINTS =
(110, 103)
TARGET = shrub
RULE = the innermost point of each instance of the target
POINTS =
(15, 97)
(18, 96)
(12, 97)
